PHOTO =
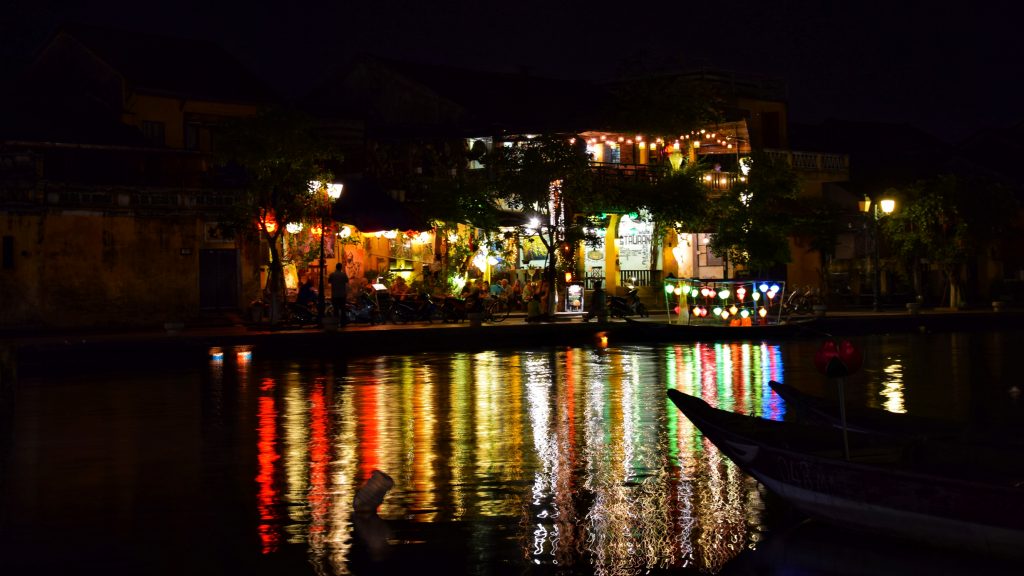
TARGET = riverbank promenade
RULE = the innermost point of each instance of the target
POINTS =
(43, 351)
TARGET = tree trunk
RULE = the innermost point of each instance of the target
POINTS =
(275, 282)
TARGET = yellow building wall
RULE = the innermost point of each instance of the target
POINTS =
(173, 112)
(83, 269)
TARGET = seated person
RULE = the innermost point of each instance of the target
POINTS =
(498, 289)
(307, 294)
(399, 289)
(533, 311)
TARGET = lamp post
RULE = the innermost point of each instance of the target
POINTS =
(333, 192)
(886, 205)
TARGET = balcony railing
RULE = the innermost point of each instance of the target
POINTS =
(631, 172)
(811, 161)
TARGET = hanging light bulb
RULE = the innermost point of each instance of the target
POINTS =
(733, 309)
(762, 312)
(723, 294)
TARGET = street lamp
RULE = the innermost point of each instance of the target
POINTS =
(333, 192)
(886, 206)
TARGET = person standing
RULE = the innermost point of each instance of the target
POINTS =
(339, 291)
(598, 304)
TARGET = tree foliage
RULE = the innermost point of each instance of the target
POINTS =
(548, 178)
(278, 153)
(751, 223)
(947, 219)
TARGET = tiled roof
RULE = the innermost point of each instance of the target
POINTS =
(173, 66)
(492, 100)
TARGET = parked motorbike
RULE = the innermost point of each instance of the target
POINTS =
(453, 310)
(301, 314)
(364, 310)
(630, 305)
(419, 309)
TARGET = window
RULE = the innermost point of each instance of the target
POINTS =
(614, 154)
(154, 132)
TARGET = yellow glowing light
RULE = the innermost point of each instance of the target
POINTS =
(762, 312)
(724, 314)
(733, 309)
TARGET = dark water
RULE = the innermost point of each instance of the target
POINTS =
(536, 461)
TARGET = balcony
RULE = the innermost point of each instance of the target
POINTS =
(812, 161)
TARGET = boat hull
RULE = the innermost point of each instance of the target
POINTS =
(884, 492)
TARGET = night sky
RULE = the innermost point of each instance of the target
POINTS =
(950, 71)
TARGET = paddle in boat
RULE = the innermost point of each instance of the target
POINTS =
(944, 494)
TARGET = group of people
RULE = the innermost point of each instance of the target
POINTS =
(530, 296)
(308, 295)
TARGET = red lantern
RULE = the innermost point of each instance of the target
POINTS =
(838, 360)
(851, 356)
(824, 356)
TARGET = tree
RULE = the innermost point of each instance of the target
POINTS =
(752, 222)
(947, 219)
(548, 178)
(279, 153)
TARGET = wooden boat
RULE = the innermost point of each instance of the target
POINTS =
(864, 419)
(645, 329)
(944, 494)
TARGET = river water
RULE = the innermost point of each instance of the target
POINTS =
(553, 460)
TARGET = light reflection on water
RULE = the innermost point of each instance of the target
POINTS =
(569, 460)
(578, 451)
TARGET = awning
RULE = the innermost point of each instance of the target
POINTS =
(365, 205)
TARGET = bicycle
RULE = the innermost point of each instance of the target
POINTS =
(801, 302)
(496, 309)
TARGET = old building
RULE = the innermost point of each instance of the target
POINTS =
(109, 195)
